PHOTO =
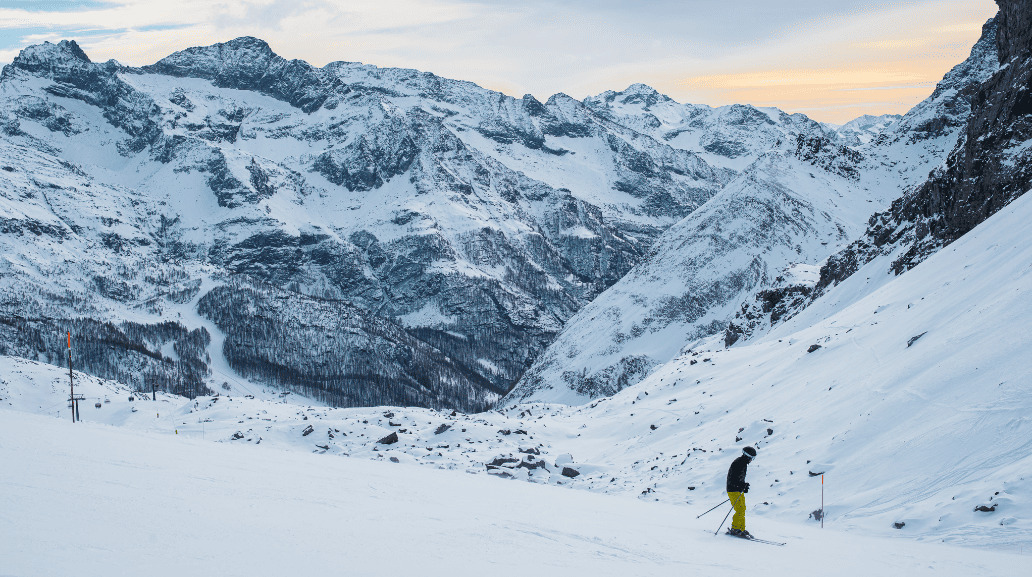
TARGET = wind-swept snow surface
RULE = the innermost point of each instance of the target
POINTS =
(104, 501)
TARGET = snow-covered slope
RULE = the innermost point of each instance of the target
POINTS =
(159, 505)
(912, 403)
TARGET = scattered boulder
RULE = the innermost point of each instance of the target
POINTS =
(913, 339)
(570, 472)
(395, 460)
(531, 451)
(813, 348)
(984, 509)
(812, 474)
(389, 439)
(899, 525)
(308, 431)
(388, 415)
(393, 424)
(444, 427)
(238, 435)
(505, 432)
(530, 463)
(499, 461)
(653, 427)
(817, 515)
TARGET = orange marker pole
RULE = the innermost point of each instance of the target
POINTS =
(822, 501)
(71, 381)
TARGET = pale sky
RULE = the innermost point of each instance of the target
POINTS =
(830, 59)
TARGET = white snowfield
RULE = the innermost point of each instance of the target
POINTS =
(915, 407)
(94, 500)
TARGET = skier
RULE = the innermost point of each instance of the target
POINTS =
(736, 489)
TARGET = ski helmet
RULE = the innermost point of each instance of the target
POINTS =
(749, 452)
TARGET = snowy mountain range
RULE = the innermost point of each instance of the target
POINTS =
(466, 224)
(639, 288)
(464, 227)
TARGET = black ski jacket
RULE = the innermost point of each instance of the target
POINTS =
(736, 475)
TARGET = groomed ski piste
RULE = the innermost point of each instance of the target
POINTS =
(915, 409)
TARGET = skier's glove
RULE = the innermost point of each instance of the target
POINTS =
(746, 488)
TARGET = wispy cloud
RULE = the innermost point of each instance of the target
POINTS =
(800, 55)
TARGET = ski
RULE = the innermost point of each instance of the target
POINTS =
(777, 543)
(765, 541)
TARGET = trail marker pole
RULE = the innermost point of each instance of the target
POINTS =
(71, 381)
(822, 501)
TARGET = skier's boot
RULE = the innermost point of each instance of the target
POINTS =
(734, 532)
(745, 534)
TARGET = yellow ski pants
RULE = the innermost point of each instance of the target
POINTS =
(738, 502)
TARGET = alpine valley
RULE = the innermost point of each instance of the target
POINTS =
(614, 294)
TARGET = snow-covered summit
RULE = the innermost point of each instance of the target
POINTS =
(729, 136)
(865, 128)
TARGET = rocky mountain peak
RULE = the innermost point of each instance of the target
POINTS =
(52, 60)
(638, 93)
(65, 50)
(243, 56)
(248, 63)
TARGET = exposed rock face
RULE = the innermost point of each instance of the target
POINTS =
(789, 293)
(989, 168)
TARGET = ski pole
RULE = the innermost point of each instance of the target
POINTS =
(725, 519)
(721, 503)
